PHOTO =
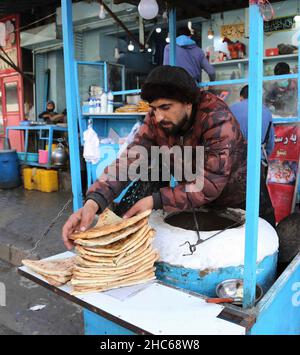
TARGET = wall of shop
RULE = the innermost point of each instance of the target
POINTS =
(239, 69)
(283, 8)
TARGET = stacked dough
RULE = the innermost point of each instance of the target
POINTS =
(116, 252)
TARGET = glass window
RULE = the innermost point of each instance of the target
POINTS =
(11, 95)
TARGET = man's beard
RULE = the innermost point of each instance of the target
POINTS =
(172, 129)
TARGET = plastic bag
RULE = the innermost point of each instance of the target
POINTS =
(91, 152)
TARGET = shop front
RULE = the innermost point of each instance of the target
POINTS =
(11, 82)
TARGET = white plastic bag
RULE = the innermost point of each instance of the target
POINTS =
(91, 152)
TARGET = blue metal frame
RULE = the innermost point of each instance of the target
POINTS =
(254, 152)
(70, 74)
(41, 129)
(172, 34)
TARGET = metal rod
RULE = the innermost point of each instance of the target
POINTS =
(70, 74)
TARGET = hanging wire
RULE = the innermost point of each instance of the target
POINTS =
(32, 23)
(50, 226)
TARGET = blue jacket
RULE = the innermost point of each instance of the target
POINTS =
(191, 58)
(240, 111)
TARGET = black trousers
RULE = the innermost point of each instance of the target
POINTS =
(266, 210)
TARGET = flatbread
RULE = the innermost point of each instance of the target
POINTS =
(142, 235)
(100, 265)
(60, 267)
(57, 278)
(81, 290)
(106, 280)
(100, 231)
(147, 237)
(104, 260)
(56, 281)
(119, 261)
(82, 275)
(107, 217)
(113, 237)
(149, 259)
(115, 248)
(147, 245)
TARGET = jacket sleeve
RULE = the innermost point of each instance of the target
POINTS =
(271, 140)
(219, 134)
(166, 55)
(108, 186)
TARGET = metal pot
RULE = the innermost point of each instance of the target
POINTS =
(59, 155)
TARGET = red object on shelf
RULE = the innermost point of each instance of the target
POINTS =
(271, 52)
(237, 49)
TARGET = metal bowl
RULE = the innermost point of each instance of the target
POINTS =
(233, 288)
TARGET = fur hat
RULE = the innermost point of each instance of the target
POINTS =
(170, 82)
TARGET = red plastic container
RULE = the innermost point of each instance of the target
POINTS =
(271, 52)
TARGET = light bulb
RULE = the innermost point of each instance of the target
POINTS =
(149, 50)
(158, 29)
(102, 12)
(210, 34)
(130, 46)
(168, 39)
(148, 9)
(117, 53)
(190, 27)
(297, 18)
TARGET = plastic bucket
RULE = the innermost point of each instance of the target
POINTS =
(9, 169)
(43, 156)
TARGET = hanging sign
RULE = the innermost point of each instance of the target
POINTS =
(236, 30)
(279, 24)
(283, 169)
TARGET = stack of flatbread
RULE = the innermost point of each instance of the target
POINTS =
(116, 252)
(127, 108)
(143, 106)
(56, 272)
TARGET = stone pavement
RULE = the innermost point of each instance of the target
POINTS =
(24, 217)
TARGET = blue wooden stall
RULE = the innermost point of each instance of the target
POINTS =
(278, 312)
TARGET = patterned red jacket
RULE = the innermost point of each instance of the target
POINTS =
(216, 129)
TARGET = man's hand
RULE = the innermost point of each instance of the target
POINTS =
(142, 205)
(80, 220)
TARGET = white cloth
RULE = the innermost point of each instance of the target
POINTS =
(91, 152)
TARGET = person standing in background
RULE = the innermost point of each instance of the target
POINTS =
(281, 96)
(189, 56)
(240, 111)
